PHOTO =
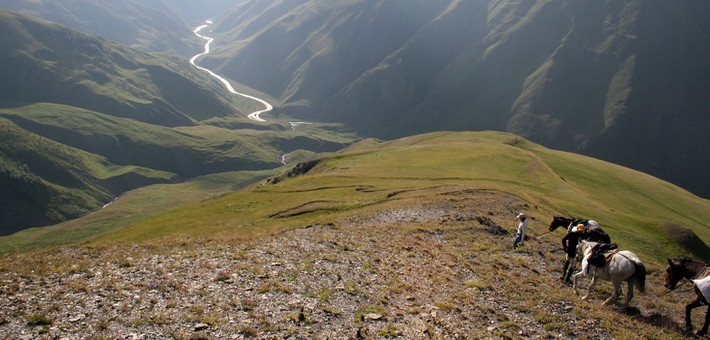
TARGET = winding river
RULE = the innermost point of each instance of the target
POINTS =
(254, 115)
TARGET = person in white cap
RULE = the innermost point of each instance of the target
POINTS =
(522, 228)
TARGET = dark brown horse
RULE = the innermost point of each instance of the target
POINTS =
(592, 231)
(685, 268)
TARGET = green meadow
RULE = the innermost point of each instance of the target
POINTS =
(640, 212)
(352, 194)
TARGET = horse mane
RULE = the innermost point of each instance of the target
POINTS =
(585, 244)
(682, 261)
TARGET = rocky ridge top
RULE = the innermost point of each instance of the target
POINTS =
(381, 276)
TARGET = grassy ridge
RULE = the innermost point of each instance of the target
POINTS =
(375, 175)
(132, 207)
(126, 141)
(111, 154)
(187, 151)
(460, 261)
(55, 181)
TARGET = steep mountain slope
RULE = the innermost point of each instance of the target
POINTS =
(50, 63)
(117, 118)
(44, 182)
(148, 25)
(623, 81)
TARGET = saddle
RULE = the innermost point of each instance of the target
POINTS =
(602, 254)
(609, 255)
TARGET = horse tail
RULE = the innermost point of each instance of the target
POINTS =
(640, 276)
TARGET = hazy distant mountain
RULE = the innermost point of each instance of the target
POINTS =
(625, 81)
(149, 25)
(83, 119)
(44, 62)
(196, 12)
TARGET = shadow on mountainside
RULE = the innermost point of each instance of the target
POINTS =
(687, 239)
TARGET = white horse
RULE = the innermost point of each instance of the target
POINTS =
(623, 266)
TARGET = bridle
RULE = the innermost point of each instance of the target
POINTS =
(682, 282)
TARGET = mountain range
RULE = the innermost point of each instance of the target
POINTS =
(116, 106)
(624, 81)
(138, 199)
(85, 119)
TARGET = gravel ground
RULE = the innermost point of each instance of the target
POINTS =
(376, 276)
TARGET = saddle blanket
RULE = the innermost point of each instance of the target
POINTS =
(609, 255)
(704, 286)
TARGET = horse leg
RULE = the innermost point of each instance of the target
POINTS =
(569, 271)
(613, 297)
(704, 330)
(574, 282)
(589, 288)
(564, 270)
(629, 292)
(689, 308)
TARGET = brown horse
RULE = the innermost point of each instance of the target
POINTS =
(592, 232)
(685, 268)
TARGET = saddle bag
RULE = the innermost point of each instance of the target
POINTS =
(601, 259)
(597, 260)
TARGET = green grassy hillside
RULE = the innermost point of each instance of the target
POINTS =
(46, 62)
(148, 118)
(130, 208)
(638, 211)
(98, 156)
(45, 182)
(409, 237)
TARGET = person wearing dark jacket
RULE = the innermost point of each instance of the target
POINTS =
(569, 245)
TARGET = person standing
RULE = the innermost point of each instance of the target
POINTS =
(522, 228)
(569, 245)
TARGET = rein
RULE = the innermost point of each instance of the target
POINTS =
(687, 280)
(547, 232)
(678, 286)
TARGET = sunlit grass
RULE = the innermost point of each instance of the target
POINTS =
(383, 175)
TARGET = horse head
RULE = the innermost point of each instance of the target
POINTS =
(674, 272)
(559, 221)
(683, 267)
(583, 247)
